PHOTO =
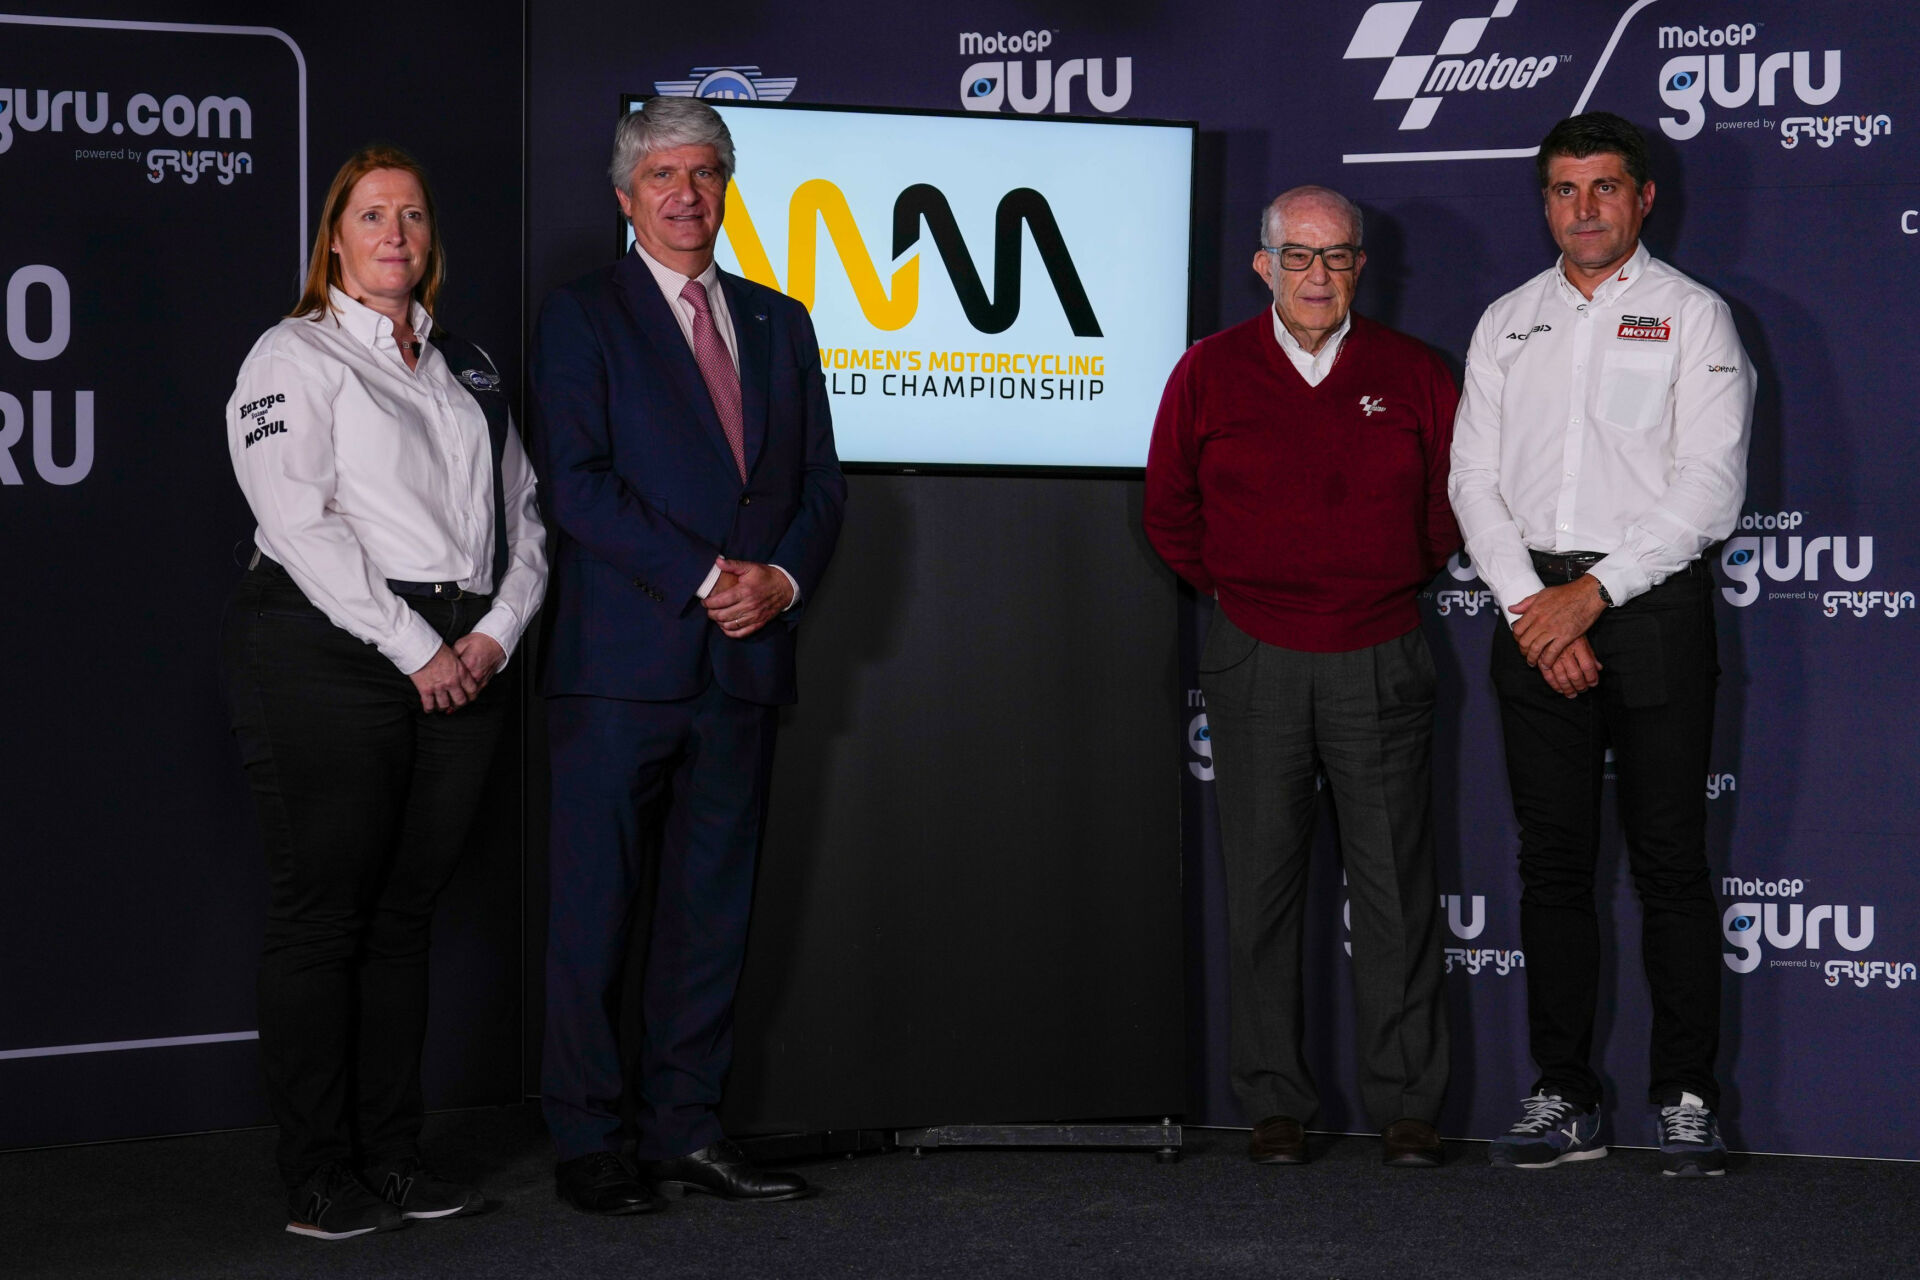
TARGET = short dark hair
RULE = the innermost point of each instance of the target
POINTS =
(1590, 135)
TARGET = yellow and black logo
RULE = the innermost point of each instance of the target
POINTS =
(818, 200)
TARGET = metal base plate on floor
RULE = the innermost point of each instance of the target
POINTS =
(1162, 1139)
(776, 1148)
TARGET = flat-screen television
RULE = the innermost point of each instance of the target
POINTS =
(989, 292)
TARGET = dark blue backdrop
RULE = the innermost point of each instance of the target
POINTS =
(129, 886)
(1784, 176)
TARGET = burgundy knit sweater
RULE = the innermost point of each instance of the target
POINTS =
(1315, 513)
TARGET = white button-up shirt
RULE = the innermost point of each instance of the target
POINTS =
(1617, 424)
(1314, 366)
(361, 470)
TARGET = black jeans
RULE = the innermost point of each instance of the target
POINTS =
(1654, 708)
(364, 804)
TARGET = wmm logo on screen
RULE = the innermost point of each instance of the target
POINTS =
(818, 200)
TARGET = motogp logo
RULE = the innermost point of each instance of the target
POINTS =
(1421, 80)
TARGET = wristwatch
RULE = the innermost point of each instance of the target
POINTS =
(1605, 599)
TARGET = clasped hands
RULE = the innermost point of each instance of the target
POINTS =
(1552, 634)
(455, 675)
(746, 597)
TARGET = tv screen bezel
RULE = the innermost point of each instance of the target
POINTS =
(631, 101)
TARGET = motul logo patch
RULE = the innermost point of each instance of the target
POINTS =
(1646, 328)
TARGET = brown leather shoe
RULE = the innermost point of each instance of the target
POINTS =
(1278, 1140)
(1411, 1144)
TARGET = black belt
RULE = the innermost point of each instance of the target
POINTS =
(434, 590)
(1559, 567)
(430, 590)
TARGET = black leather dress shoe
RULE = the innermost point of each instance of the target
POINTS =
(1278, 1140)
(723, 1170)
(1411, 1144)
(602, 1183)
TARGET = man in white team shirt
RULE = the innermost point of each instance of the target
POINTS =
(1600, 449)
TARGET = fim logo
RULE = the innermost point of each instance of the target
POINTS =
(1421, 80)
(730, 83)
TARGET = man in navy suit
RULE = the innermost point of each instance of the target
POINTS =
(686, 460)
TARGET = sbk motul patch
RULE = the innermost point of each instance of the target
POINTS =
(1646, 328)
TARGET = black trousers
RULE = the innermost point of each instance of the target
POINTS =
(364, 804)
(1654, 708)
(1277, 718)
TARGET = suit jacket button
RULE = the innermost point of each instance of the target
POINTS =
(746, 500)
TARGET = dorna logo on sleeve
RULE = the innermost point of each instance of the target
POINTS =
(1646, 328)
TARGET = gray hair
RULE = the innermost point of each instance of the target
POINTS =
(1273, 218)
(663, 124)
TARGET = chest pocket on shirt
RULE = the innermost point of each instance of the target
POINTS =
(1633, 386)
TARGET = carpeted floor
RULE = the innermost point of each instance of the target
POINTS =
(206, 1207)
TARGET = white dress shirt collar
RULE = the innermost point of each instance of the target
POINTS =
(368, 325)
(1610, 288)
(1313, 365)
(671, 282)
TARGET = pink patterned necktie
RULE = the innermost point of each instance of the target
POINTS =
(716, 367)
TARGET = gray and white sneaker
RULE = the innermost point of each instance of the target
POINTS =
(1554, 1131)
(332, 1204)
(413, 1189)
(1690, 1145)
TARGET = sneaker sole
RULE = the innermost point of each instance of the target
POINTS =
(1692, 1171)
(460, 1210)
(315, 1233)
(1585, 1153)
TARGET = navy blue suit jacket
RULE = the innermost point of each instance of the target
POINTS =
(637, 477)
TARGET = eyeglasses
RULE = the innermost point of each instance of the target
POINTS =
(1298, 257)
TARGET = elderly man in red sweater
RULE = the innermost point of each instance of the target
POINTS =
(1298, 475)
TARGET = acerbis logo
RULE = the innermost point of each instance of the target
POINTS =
(818, 200)
(734, 84)
(1790, 558)
(1423, 80)
(35, 110)
(989, 86)
(1687, 80)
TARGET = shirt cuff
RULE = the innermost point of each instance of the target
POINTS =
(496, 621)
(1531, 587)
(795, 585)
(416, 648)
(706, 588)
